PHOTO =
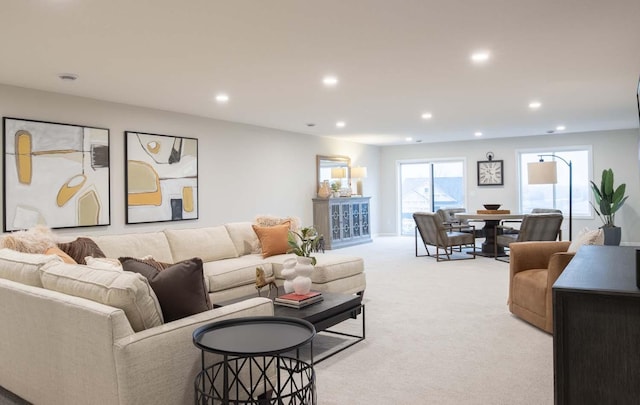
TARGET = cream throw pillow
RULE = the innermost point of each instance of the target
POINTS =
(120, 289)
(587, 237)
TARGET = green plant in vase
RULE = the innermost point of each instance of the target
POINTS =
(305, 242)
(608, 199)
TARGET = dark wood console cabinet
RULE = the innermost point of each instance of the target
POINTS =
(596, 342)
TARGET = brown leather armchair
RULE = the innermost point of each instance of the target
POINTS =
(533, 269)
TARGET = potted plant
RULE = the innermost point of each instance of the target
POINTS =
(335, 187)
(303, 243)
(608, 200)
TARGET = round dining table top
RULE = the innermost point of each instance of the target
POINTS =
(488, 217)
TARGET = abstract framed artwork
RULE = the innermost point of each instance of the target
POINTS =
(161, 178)
(55, 174)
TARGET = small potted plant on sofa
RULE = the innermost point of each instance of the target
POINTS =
(608, 199)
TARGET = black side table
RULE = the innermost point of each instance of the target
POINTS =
(254, 369)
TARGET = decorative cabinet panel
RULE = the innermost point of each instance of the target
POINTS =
(342, 221)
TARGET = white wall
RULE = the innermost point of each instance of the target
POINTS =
(611, 149)
(244, 170)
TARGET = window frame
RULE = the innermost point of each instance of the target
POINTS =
(430, 161)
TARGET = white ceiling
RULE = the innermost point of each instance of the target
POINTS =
(395, 59)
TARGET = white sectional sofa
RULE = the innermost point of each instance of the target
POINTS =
(231, 253)
(58, 348)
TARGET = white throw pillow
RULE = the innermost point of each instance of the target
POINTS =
(103, 263)
(587, 237)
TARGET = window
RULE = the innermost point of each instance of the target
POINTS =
(429, 186)
(557, 195)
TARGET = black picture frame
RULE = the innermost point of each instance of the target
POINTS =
(161, 178)
(490, 172)
(55, 174)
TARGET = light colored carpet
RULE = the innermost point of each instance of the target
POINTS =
(437, 333)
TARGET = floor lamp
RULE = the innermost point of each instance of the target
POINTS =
(547, 173)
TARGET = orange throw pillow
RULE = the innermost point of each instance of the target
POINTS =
(58, 252)
(273, 239)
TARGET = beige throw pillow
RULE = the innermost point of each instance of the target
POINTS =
(587, 237)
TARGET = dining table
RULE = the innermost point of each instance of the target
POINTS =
(491, 221)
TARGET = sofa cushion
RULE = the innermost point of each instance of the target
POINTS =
(225, 274)
(180, 288)
(81, 248)
(24, 267)
(136, 245)
(273, 239)
(120, 289)
(244, 238)
(329, 267)
(213, 243)
(530, 289)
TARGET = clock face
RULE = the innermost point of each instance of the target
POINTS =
(490, 173)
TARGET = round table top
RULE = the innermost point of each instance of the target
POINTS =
(490, 217)
(254, 336)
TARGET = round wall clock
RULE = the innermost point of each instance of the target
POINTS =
(490, 173)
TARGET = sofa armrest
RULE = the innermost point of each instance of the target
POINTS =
(159, 365)
(557, 264)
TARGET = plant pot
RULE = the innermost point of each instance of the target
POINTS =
(612, 235)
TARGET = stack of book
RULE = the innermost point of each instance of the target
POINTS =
(294, 300)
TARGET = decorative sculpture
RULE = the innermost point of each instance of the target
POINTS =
(262, 280)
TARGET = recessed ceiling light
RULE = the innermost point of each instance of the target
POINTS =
(478, 133)
(480, 56)
(426, 116)
(560, 128)
(222, 98)
(330, 81)
(68, 76)
(408, 139)
(340, 124)
(534, 105)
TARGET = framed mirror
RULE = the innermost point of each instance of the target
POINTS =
(326, 165)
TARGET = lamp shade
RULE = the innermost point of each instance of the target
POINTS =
(338, 172)
(542, 173)
(359, 172)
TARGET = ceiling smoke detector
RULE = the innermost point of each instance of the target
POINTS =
(68, 76)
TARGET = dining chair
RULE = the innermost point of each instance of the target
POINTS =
(535, 227)
(433, 231)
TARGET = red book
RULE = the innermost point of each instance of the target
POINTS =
(299, 297)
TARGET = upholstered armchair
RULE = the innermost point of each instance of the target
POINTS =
(433, 231)
(533, 269)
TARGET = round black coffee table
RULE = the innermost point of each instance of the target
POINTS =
(255, 366)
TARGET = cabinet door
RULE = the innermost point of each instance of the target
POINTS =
(345, 220)
(356, 220)
(335, 217)
(364, 218)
